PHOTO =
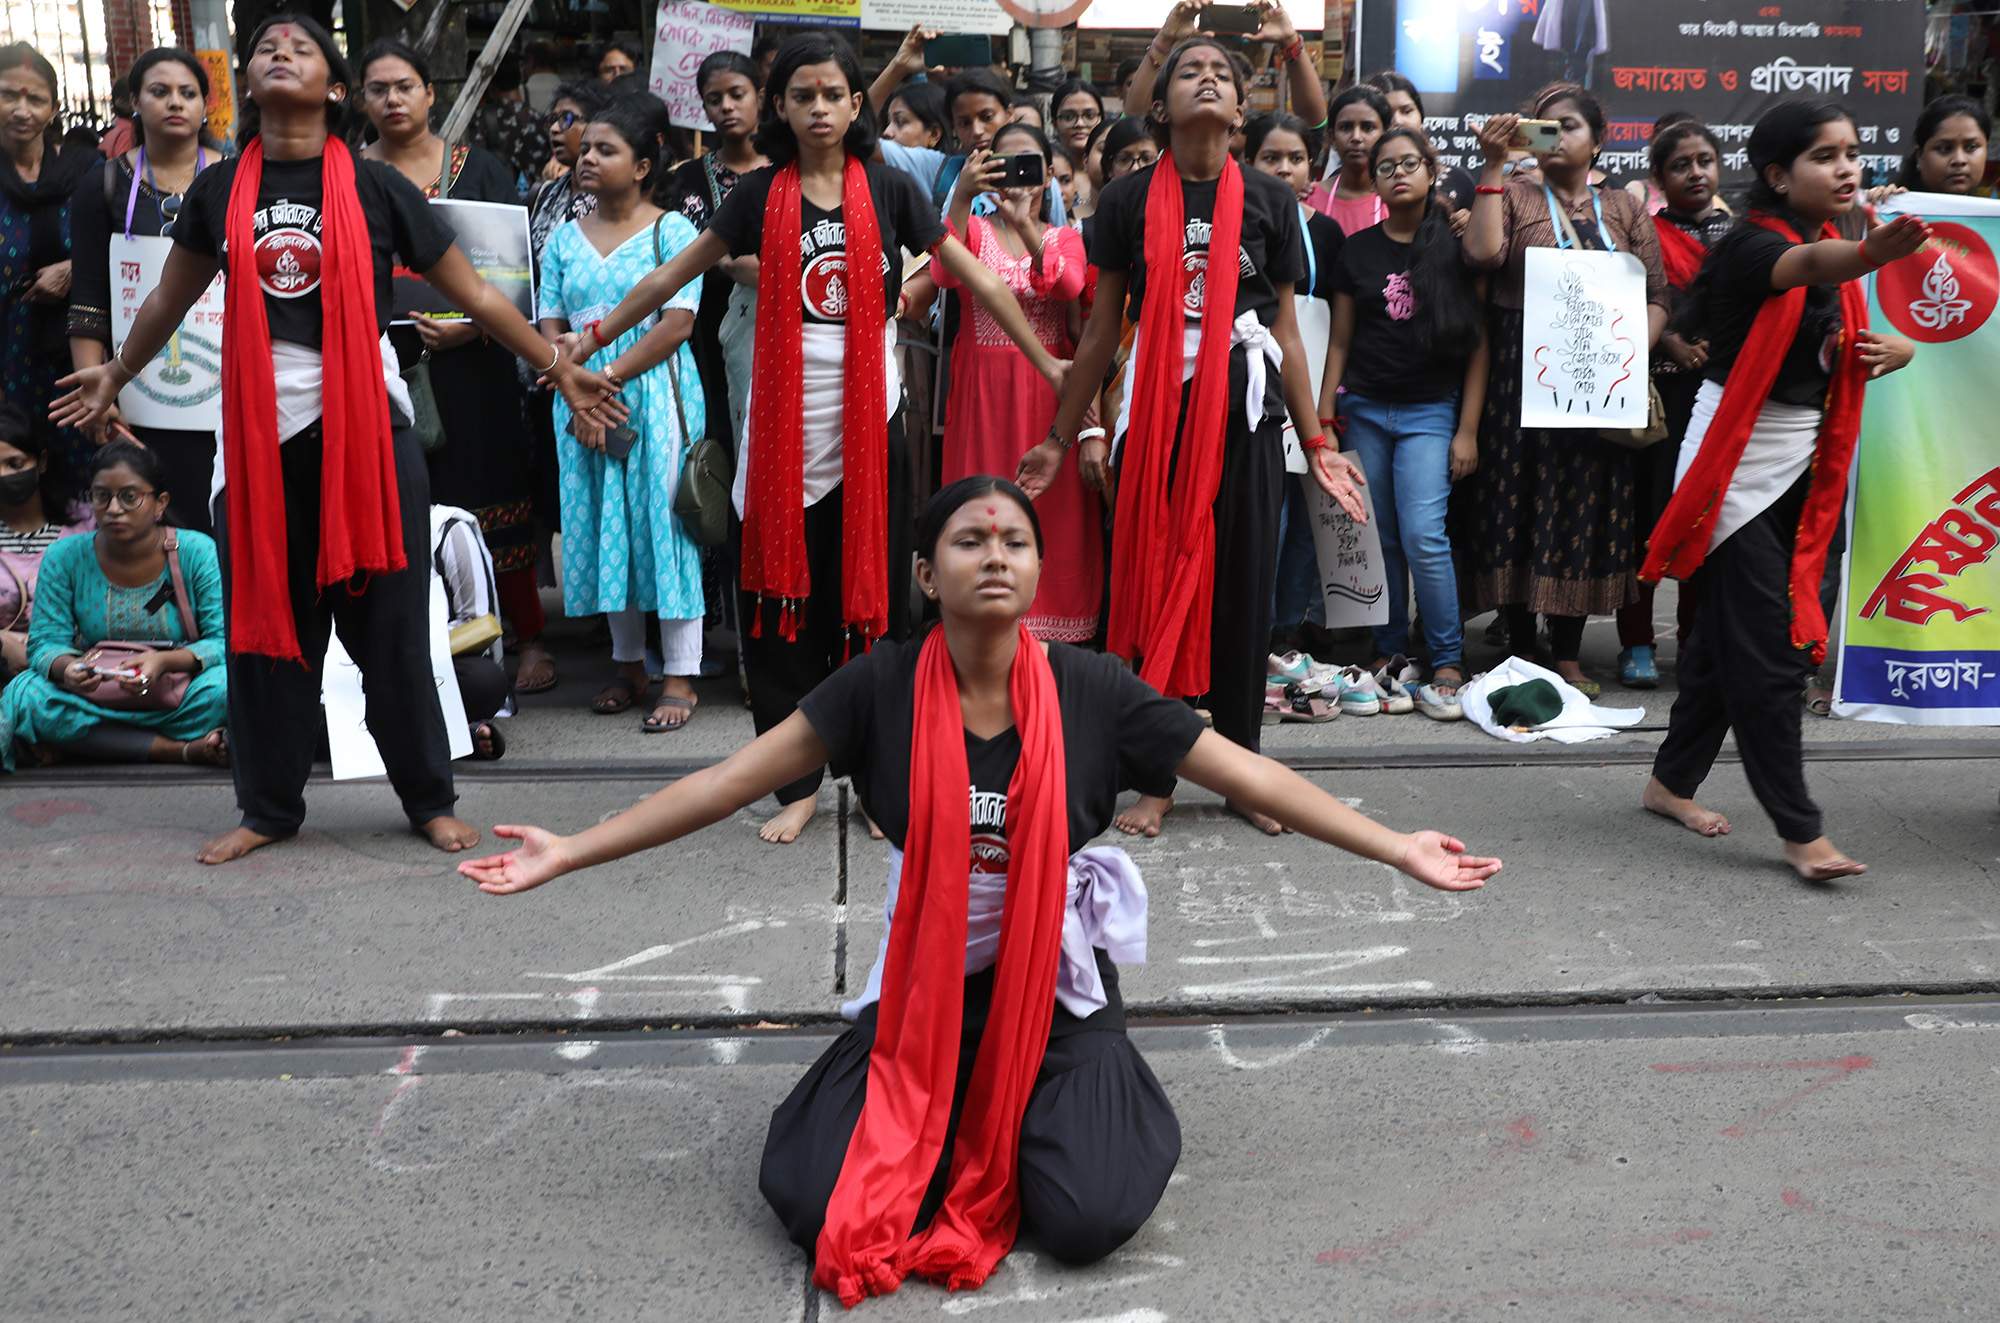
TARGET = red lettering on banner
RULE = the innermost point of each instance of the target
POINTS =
(1892, 81)
(1728, 80)
(1841, 32)
(1954, 542)
(1660, 80)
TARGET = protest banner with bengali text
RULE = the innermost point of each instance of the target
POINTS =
(685, 33)
(1920, 603)
(181, 388)
(1725, 61)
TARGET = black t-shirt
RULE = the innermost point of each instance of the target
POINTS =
(1118, 734)
(1273, 247)
(286, 226)
(902, 213)
(1384, 362)
(1324, 240)
(1735, 282)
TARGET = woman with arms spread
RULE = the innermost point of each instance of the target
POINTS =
(819, 473)
(328, 504)
(995, 986)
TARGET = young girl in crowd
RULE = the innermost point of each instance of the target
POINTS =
(485, 464)
(1763, 471)
(334, 523)
(820, 471)
(624, 552)
(1078, 110)
(1000, 407)
(1686, 161)
(137, 194)
(1277, 145)
(1548, 523)
(1360, 116)
(1950, 148)
(1407, 347)
(723, 327)
(1208, 254)
(987, 1085)
(916, 117)
(136, 579)
(1406, 111)
(35, 511)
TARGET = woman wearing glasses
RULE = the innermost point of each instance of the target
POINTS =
(128, 581)
(1077, 110)
(138, 195)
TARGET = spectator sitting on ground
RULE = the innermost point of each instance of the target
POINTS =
(33, 497)
(460, 557)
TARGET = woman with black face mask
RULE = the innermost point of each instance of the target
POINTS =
(35, 510)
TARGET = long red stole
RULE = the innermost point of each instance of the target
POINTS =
(1680, 542)
(866, 1246)
(360, 512)
(774, 536)
(1163, 541)
(1680, 252)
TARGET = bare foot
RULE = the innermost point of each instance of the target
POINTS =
(211, 750)
(1820, 861)
(1703, 822)
(1143, 818)
(791, 820)
(1269, 826)
(232, 845)
(874, 832)
(448, 833)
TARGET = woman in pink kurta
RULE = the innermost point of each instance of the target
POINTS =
(1000, 407)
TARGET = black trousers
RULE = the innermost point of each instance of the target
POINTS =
(779, 671)
(1098, 1140)
(274, 706)
(1740, 671)
(1246, 573)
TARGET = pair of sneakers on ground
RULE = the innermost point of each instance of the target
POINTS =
(1299, 688)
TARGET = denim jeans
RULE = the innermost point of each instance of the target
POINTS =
(1298, 597)
(1405, 452)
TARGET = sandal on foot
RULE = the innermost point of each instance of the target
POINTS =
(1636, 667)
(616, 696)
(652, 725)
(547, 665)
(496, 742)
(1819, 699)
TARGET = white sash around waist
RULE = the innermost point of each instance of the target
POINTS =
(1246, 330)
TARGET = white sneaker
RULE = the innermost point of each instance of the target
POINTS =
(1296, 668)
(1398, 683)
(1439, 706)
(1357, 694)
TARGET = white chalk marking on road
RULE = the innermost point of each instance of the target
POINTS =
(1881, 948)
(579, 1050)
(1939, 1023)
(1364, 957)
(1611, 943)
(1329, 962)
(726, 1051)
(655, 952)
(526, 1111)
(1218, 1038)
(1024, 1267)
(1455, 1039)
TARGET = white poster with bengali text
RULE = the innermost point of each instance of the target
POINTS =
(1583, 339)
(181, 388)
(348, 739)
(1351, 573)
(685, 33)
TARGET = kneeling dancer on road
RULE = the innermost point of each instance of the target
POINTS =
(995, 985)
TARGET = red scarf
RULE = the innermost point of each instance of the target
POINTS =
(866, 1247)
(1680, 252)
(774, 524)
(360, 511)
(1680, 542)
(1163, 540)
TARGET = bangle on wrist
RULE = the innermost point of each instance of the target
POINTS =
(119, 358)
(1861, 250)
(1488, 188)
(555, 357)
(598, 335)
(1056, 437)
(1090, 434)
(1296, 50)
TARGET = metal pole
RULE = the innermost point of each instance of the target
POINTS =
(481, 72)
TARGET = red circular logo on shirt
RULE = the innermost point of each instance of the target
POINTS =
(1945, 290)
(288, 263)
(1196, 266)
(825, 285)
(989, 854)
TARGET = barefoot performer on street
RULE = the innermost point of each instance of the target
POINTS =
(990, 760)
(328, 504)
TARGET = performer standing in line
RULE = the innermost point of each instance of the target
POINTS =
(988, 1084)
(1763, 469)
(1194, 551)
(820, 474)
(327, 511)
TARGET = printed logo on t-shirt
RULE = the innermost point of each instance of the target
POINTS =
(1194, 261)
(989, 840)
(1402, 300)
(825, 286)
(287, 248)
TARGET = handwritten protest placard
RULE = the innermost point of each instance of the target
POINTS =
(181, 388)
(686, 33)
(1350, 560)
(1583, 339)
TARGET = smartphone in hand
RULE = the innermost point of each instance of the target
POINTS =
(1021, 170)
(1537, 135)
(1240, 19)
(959, 51)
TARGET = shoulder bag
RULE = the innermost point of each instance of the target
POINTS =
(428, 422)
(701, 501)
(118, 654)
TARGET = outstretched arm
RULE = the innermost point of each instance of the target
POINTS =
(652, 292)
(94, 392)
(779, 756)
(455, 277)
(1038, 468)
(1336, 474)
(985, 285)
(1267, 787)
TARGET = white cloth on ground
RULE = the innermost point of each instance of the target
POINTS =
(1578, 721)
(1780, 448)
(1106, 908)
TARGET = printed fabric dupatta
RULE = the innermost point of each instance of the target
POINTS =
(774, 527)
(1680, 541)
(360, 510)
(1163, 540)
(866, 1246)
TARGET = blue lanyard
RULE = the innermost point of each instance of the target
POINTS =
(1312, 258)
(1562, 233)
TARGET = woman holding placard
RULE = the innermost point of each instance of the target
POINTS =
(1763, 470)
(483, 464)
(122, 204)
(1547, 525)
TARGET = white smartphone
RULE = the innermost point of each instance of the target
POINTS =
(1537, 135)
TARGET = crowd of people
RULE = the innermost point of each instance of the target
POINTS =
(1185, 330)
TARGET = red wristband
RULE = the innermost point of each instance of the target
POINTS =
(596, 335)
(1488, 188)
(1313, 443)
(1295, 50)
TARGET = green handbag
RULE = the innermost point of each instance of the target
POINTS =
(701, 502)
(428, 424)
